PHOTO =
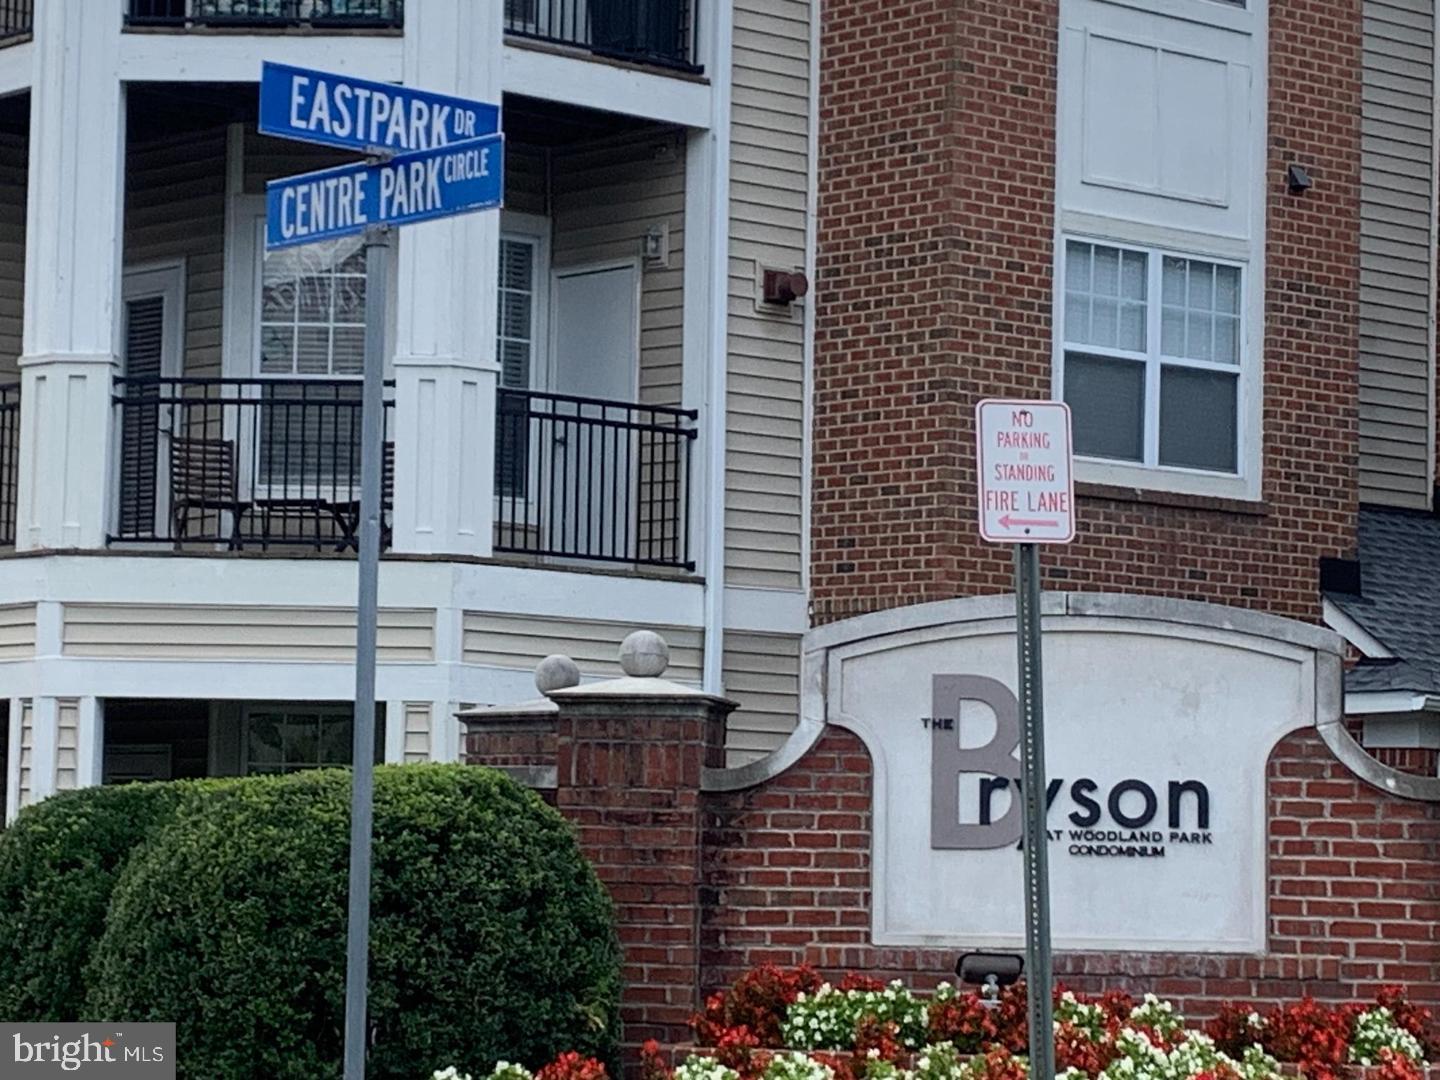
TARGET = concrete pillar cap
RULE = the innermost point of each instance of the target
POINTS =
(644, 655)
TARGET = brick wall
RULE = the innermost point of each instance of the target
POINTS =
(935, 289)
(1354, 878)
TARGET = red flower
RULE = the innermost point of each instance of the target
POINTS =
(757, 1001)
(1075, 1049)
(1000, 1064)
(1315, 1038)
(1394, 1066)
(1413, 1018)
(855, 981)
(652, 1062)
(880, 1035)
(571, 1066)
(964, 1021)
(1233, 1029)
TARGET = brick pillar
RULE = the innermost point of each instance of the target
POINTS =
(629, 755)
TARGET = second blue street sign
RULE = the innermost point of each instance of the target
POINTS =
(349, 199)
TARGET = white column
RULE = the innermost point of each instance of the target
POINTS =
(394, 732)
(72, 275)
(90, 768)
(445, 365)
(45, 728)
(12, 760)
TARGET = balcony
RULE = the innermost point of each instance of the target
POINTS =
(601, 481)
(17, 19)
(274, 464)
(266, 14)
(242, 464)
(660, 33)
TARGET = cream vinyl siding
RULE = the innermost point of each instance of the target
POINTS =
(67, 744)
(17, 632)
(1397, 284)
(417, 732)
(175, 209)
(604, 198)
(270, 159)
(768, 184)
(525, 171)
(762, 673)
(519, 642)
(14, 168)
(287, 634)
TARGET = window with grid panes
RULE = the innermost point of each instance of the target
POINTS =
(1152, 356)
(312, 343)
(289, 740)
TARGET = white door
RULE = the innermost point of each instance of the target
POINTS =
(153, 341)
(595, 356)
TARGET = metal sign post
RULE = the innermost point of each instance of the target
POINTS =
(372, 450)
(1033, 791)
(431, 156)
(1027, 498)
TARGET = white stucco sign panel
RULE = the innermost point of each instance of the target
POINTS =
(1158, 731)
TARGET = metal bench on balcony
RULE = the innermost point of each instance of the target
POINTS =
(261, 14)
(243, 464)
(591, 480)
(655, 32)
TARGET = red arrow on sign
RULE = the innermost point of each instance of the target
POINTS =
(1008, 521)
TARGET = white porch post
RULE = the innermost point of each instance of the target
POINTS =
(445, 365)
(72, 275)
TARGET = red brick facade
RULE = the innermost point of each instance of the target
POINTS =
(936, 245)
(709, 884)
(1354, 879)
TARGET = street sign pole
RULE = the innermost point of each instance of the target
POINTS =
(1033, 790)
(372, 451)
(429, 156)
(1026, 495)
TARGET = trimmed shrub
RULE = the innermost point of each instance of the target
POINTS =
(491, 937)
(59, 862)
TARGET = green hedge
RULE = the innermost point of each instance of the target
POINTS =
(58, 864)
(491, 936)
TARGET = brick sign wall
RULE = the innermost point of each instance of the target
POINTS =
(1354, 888)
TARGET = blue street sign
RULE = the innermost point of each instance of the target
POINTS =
(359, 114)
(417, 187)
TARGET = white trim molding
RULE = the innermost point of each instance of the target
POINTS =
(1346, 626)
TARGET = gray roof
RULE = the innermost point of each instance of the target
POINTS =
(1400, 605)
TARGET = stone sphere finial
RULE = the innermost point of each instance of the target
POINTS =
(556, 673)
(644, 655)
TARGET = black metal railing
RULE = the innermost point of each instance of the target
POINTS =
(325, 14)
(243, 463)
(9, 461)
(17, 18)
(660, 32)
(583, 478)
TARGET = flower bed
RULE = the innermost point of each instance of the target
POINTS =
(775, 1024)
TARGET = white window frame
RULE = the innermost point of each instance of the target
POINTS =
(533, 229)
(1221, 13)
(1151, 475)
(1243, 245)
